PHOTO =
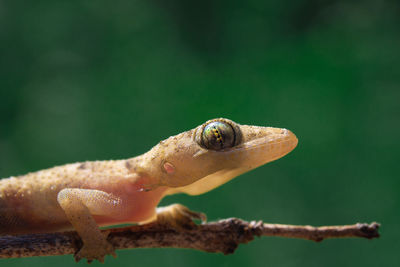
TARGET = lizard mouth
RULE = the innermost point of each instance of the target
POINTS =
(273, 144)
(284, 141)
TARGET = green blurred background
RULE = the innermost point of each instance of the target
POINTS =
(88, 80)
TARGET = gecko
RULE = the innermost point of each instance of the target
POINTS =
(85, 196)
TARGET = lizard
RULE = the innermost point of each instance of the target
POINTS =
(87, 195)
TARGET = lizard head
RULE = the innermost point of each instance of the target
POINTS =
(213, 153)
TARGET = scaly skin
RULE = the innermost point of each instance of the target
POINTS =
(84, 196)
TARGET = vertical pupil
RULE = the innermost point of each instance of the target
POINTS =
(218, 137)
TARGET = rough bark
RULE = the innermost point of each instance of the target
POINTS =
(222, 236)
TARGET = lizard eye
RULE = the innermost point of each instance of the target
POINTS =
(218, 135)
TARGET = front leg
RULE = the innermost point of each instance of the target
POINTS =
(79, 205)
(179, 216)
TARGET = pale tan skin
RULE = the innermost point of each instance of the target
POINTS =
(84, 196)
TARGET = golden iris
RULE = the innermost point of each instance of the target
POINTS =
(218, 135)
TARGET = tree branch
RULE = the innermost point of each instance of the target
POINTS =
(222, 236)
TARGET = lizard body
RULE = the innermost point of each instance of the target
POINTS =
(84, 196)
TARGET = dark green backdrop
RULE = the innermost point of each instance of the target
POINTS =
(87, 80)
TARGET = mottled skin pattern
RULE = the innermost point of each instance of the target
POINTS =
(84, 196)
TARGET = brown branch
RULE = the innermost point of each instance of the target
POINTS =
(221, 236)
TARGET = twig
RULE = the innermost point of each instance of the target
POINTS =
(221, 236)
